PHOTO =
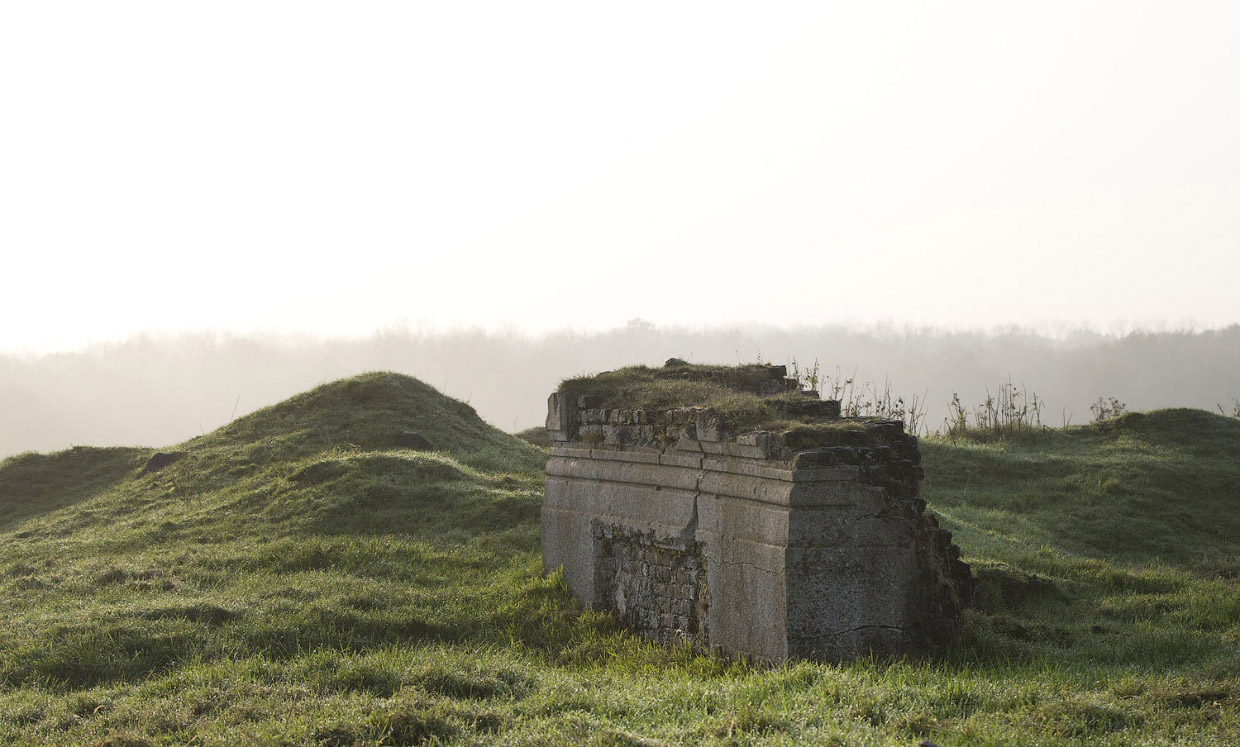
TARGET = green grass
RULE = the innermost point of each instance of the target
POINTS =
(299, 579)
(725, 389)
(537, 435)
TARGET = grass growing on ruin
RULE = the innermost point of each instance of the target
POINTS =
(299, 579)
(725, 389)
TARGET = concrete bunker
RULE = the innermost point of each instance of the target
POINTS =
(726, 508)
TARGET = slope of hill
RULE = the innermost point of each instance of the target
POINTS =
(300, 577)
(1144, 487)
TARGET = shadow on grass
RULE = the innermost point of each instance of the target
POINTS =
(1156, 487)
(33, 484)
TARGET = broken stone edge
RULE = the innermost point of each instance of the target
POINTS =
(744, 543)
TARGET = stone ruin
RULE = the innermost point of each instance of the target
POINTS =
(806, 541)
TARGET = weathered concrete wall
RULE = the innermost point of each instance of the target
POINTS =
(747, 544)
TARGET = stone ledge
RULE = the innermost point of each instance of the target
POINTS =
(806, 542)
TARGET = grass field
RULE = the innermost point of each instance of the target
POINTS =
(299, 578)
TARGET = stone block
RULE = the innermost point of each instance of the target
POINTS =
(688, 460)
(561, 415)
(746, 545)
(709, 426)
(745, 451)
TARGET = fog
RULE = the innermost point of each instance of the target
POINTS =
(158, 391)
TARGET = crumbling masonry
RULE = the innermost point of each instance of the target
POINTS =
(805, 542)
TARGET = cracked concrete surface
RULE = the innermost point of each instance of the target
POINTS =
(729, 548)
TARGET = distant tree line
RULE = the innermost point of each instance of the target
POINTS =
(159, 391)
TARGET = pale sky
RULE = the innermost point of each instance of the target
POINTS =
(334, 168)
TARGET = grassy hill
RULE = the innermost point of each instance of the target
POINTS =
(300, 577)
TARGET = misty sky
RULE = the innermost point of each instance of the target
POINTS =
(333, 168)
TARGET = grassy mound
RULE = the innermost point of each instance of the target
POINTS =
(367, 412)
(299, 577)
(1144, 488)
(31, 483)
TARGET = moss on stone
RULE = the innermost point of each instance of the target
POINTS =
(747, 397)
